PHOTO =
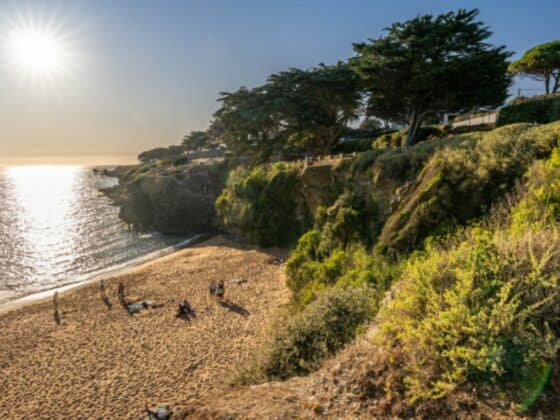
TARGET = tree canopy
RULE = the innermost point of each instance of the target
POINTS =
(432, 65)
(246, 122)
(295, 109)
(315, 105)
(198, 140)
(541, 62)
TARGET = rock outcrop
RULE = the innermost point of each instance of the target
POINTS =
(170, 199)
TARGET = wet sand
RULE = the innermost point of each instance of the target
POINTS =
(102, 362)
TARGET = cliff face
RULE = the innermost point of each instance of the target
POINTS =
(170, 199)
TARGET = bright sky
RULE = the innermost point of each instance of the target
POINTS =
(132, 74)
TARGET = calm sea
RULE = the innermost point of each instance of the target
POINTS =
(56, 228)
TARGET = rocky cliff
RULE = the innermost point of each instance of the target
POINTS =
(169, 198)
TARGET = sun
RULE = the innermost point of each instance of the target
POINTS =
(36, 52)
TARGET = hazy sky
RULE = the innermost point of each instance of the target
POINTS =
(139, 74)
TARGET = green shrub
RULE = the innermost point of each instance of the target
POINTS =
(335, 247)
(352, 266)
(484, 311)
(460, 183)
(161, 153)
(353, 145)
(540, 205)
(364, 160)
(320, 330)
(541, 110)
(181, 161)
(265, 204)
(397, 138)
(392, 139)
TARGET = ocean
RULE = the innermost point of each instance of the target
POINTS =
(57, 229)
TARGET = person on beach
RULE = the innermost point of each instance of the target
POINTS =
(212, 288)
(120, 294)
(185, 310)
(103, 293)
(220, 290)
(274, 260)
(55, 307)
(163, 412)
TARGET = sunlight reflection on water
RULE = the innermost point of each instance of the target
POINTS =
(55, 228)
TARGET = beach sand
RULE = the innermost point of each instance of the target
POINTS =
(103, 363)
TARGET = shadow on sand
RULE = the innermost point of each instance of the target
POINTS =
(234, 307)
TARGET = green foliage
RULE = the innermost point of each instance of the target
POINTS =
(460, 183)
(484, 310)
(394, 139)
(432, 64)
(264, 204)
(161, 153)
(540, 205)
(315, 105)
(541, 110)
(335, 253)
(541, 62)
(398, 138)
(295, 110)
(320, 330)
(246, 123)
(199, 140)
(353, 145)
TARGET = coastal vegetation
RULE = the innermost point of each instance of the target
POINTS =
(532, 110)
(429, 64)
(542, 63)
(264, 204)
(445, 239)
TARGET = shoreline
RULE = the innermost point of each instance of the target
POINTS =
(100, 361)
(107, 273)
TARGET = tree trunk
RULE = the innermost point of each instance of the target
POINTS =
(413, 125)
(556, 82)
(547, 82)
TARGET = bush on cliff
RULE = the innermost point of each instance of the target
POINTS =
(484, 311)
(540, 110)
(335, 252)
(460, 183)
(397, 138)
(264, 204)
(541, 202)
(483, 306)
(300, 344)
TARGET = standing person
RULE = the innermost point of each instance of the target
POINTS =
(212, 288)
(220, 290)
(55, 308)
(103, 293)
(120, 294)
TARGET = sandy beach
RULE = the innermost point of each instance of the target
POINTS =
(103, 363)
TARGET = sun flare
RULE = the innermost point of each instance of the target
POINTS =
(36, 52)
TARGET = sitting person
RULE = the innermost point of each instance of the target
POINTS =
(163, 412)
(184, 309)
(274, 260)
(134, 307)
